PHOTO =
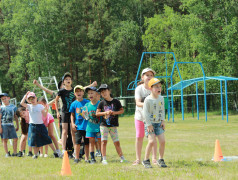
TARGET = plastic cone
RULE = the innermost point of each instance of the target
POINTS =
(218, 154)
(66, 170)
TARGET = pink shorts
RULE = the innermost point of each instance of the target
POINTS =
(140, 128)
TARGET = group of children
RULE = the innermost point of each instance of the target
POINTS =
(87, 121)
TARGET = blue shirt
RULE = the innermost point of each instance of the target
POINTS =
(76, 108)
(7, 113)
(94, 121)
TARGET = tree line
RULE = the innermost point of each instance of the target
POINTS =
(91, 38)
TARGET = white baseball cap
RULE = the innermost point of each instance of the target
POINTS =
(147, 70)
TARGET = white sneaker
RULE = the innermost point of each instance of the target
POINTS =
(46, 155)
(58, 152)
(104, 162)
(41, 155)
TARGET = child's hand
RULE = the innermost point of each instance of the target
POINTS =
(17, 128)
(94, 83)
(28, 92)
(150, 129)
(58, 116)
(74, 127)
(162, 125)
(35, 82)
(0, 130)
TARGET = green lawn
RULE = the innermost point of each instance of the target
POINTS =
(189, 149)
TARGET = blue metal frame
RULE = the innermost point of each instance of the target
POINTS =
(185, 83)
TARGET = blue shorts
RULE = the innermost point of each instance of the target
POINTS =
(8, 132)
(157, 129)
(96, 135)
(38, 135)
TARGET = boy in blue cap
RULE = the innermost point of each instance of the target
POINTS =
(7, 129)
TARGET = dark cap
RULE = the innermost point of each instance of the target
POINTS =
(4, 94)
(67, 74)
(91, 88)
(103, 86)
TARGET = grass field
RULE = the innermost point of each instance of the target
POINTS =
(189, 150)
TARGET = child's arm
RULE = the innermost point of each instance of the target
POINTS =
(139, 103)
(146, 112)
(0, 123)
(72, 122)
(23, 100)
(163, 116)
(42, 87)
(94, 84)
(45, 111)
(99, 113)
(121, 111)
(51, 102)
(16, 118)
(56, 106)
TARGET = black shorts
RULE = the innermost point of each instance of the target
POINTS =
(80, 137)
(65, 117)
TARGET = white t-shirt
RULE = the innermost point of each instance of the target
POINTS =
(140, 93)
(35, 113)
(153, 110)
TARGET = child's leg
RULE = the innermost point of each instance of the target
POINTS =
(104, 148)
(46, 149)
(5, 145)
(36, 150)
(91, 147)
(23, 142)
(154, 151)
(161, 139)
(114, 135)
(86, 149)
(151, 141)
(52, 147)
(139, 144)
(15, 145)
(51, 134)
(77, 149)
(64, 135)
(41, 150)
(140, 133)
(104, 135)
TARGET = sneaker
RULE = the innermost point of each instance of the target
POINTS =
(14, 154)
(20, 154)
(46, 155)
(136, 162)
(77, 160)
(104, 162)
(35, 157)
(87, 161)
(93, 161)
(146, 163)
(55, 155)
(161, 163)
(41, 155)
(58, 152)
(24, 152)
(8, 154)
(98, 154)
(30, 154)
(71, 156)
(123, 161)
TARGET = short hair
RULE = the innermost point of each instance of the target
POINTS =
(42, 99)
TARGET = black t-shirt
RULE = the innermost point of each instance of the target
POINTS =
(114, 105)
(67, 98)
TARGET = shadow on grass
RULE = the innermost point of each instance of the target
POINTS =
(179, 164)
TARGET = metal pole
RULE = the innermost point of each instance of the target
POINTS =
(197, 100)
(221, 101)
(121, 85)
(226, 101)
(182, 100)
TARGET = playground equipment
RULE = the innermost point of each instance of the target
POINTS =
(50, 83)
(183, 84)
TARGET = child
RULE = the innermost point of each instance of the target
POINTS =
(67, 96)
(7, 129)
(78, 123)
(93, 127)
(141, 92)
(109, 108)
(48, 121)
(154, 113)
(24, 119)
(37, 133)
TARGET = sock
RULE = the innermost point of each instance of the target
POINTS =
(104, 158)
(92, 155)
(122, 158)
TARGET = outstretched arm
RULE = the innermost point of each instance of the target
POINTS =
(43, 88)
(24, 99)
(94, 84)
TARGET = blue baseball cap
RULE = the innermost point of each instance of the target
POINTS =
(4, 94)
(91, 88)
